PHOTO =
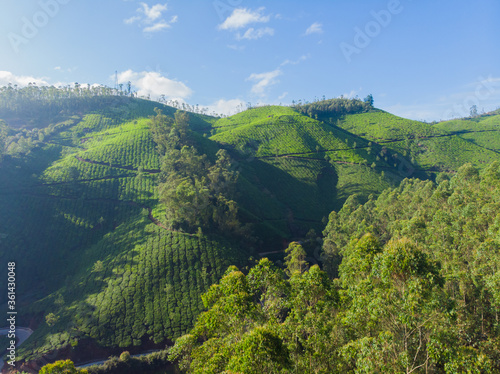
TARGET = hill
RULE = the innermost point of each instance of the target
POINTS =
(98, 265)
(82, 221)
(429, 148)
(307, 166)
(413, 287)
(481, 131)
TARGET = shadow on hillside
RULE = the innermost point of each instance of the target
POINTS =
(301, 199)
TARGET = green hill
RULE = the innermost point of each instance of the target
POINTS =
(428, 147)
(82, 222)
(483, 131)
(97, 264)
(309, 167)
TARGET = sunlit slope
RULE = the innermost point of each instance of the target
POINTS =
(427, 147)
(81, 216)
(483, 131)
(281, 131)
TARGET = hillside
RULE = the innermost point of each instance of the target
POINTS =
(431, 148)
(410, 284)
(82, 192)
(307, 166)
(482, 131)
(84, 230)
(97, 264)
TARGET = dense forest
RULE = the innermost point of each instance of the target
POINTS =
(410, 284)
(197, 194)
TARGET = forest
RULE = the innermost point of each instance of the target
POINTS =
(410, 284)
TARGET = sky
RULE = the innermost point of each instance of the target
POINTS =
(425, 60)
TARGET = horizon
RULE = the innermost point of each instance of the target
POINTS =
(226, 53)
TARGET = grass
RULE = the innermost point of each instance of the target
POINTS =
(292, 162)
(128, 145)
(149, 286)
(274, 131)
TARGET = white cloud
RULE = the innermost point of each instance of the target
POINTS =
(252, 34)
(150, 18)
(154, 84)
(298, 61)
(315, 28)
(68, 70)
(241, 17)
(283, 95)
(157, 27)
(228, 107)
(268, 79)
(264, 80)
(131, 20)
(352, 94)
(154, 12)
(7, 77)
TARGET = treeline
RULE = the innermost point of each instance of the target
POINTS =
(413, 288)
(335, 107)
(49, 101)
(198, 195)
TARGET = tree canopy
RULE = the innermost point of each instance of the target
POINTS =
(413, 288)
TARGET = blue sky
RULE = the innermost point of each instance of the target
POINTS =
(426, 59)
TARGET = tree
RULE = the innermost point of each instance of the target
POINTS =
(396, 303)
(268, 286)
(160, 127)
(296, 258)
(260, 351)
(51, 319)
(369, 100)
(62, 367)
(125, 356)
(473, 111)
